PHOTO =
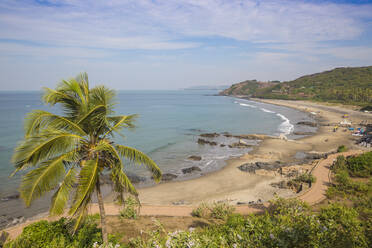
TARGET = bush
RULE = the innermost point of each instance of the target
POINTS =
(44, 234)
(216, 210)
(130, 210)
(342, 148)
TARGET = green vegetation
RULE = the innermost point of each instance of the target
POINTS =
(341, 85)
(342, 148)
(287, 223)
(44, 234)
(75, 149)
(216, 210)
(297, 182)
(130, 210)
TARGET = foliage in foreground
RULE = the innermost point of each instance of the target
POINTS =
(44, 234)
(287, 223)
(130, 210)
(216, 210)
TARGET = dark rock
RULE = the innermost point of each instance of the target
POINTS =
(307, 123)
(222, 145)
(303, 133)
(203, 142)
(168, 177)
(195, 158)
(190, 169)
(209, 135)
(248, 167)
(227, 135)
(241, 203)
(316, 155)
(10, 197)
(239, 145)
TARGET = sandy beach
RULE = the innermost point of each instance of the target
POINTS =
(234, 185)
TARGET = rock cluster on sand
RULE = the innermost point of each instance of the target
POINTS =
(307, 123)
(252, 167)
(209, 135)
(195, 158)
(190, 170)
(168, 177)
(204, 142)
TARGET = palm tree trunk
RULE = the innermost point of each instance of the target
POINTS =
(102, 212)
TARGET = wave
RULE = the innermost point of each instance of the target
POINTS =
(285, 127)
(267, 111)
(246, 105)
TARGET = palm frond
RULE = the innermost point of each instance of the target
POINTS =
(38, 120)
(100, 95)
(97, 110)
(121, 183)
(42, 179)
(36, 149)
(71, 107)
(139, 157)
(61, 196)
(87, 180)
(120, 122)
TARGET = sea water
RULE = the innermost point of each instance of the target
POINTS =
(167, 129)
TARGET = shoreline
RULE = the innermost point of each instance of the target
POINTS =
(241, 186)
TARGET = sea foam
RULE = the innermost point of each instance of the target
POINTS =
(285, 127)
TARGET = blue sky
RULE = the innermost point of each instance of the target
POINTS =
(171, 44)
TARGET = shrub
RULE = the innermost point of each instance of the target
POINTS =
(216, 210)
(342, 148)
(44, 234)
(130, 210)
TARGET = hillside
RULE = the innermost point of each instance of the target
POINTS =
(349, 85)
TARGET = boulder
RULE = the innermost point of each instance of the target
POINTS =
(168, 177)
(10, 197)
(209, 135)
(240, 145)
(307, 123)
(195, 158)
(190, 170)
(204, 142)
(303, 133)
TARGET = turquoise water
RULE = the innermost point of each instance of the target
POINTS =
(168, 127)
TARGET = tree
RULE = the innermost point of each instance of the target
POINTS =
(69, 153)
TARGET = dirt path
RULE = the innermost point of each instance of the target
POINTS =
(321, 172)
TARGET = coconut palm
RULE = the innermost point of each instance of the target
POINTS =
(69, 153)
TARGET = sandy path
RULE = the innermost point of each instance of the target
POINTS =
(317, 192)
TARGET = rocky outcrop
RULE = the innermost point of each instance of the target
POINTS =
(190, 170)
(307, 123)
(252, 167)
(168, 177)
(10, 197)
(209, 135)
(195, 158)
(206, 142)
(303, 133)
(239, 145)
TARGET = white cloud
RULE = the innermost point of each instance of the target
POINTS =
(142, 24)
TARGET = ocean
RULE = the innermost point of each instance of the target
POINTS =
(168, 126)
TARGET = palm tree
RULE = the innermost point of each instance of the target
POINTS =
(69, 153)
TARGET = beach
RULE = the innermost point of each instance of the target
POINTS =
(239, 187)
(235, 186)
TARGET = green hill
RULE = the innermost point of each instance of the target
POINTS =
(349, 85)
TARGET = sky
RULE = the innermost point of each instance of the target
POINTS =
(173, 44)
